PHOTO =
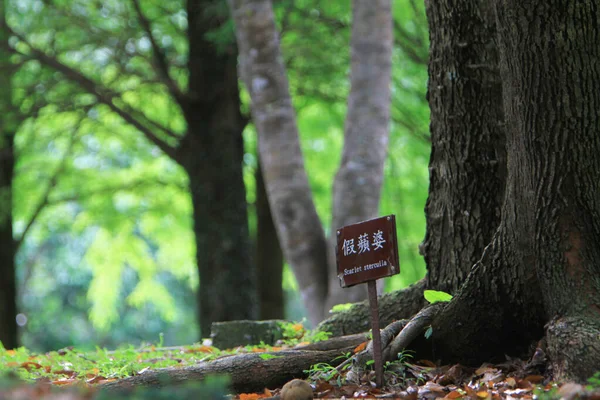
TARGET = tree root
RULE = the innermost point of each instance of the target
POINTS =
(397, 336)
(392, 307)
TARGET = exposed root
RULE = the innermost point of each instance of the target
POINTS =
(392, 307)
(415, 327)
(397, 336)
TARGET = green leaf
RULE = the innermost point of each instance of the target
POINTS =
(434, 296)
(428, 332)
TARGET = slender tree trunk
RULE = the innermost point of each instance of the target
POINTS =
(269, 258)
(211, 153)
(298, 225)
(551, 67)
(358, 182)
(467, 167)
(357, 185)
(8, 125)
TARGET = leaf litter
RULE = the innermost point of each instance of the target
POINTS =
(70, 374)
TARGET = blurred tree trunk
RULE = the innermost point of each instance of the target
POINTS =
(8, 125)
(269, 258)
(298, 225)
(358, 182)
(467, 167)
(211, 152)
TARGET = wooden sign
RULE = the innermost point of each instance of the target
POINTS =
(367, 251)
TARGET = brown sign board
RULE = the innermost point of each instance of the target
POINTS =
(367, 251)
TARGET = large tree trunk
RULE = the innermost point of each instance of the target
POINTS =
(540, 271)
(269, 258)
(467, 167)
(542, 265)
(298, 225)
(501, 288)
(551, 67)
(211, 153)
(8, 285)
(357, 184)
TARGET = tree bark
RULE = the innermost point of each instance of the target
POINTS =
(269, 258)
(467, 167)
(551, 70)
(298, 225)
(496, 309)
(8, 126)
(358, 182)
(211, 153)
(401, 304)
(468, 160)
(540, 270)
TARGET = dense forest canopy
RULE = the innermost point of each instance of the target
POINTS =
(105, 215)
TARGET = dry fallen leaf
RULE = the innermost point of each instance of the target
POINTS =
(453, 395)
(201, 349)
(360, 347)
(534, 378)
(250, 396)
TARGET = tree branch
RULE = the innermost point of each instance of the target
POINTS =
(51, 184)
(104, 95)
(160, 57)
(411, 45)
(112, 189)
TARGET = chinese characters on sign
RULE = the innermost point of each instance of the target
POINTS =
(364, 244)
(367, 251)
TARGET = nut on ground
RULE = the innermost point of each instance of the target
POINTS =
(296, 389)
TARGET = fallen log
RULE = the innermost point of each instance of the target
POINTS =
(248, 372)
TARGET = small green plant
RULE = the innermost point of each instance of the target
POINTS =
(295, 333)
(321, 371)
(428, 332)
(327, 372)
(396, 371)
(318, 336)
(594, 381)
(434, 296)
(540, 393)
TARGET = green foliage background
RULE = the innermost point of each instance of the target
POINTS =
(110, 258)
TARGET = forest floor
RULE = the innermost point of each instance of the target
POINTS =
(76, 375)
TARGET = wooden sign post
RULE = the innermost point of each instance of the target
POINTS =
(368, 251)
